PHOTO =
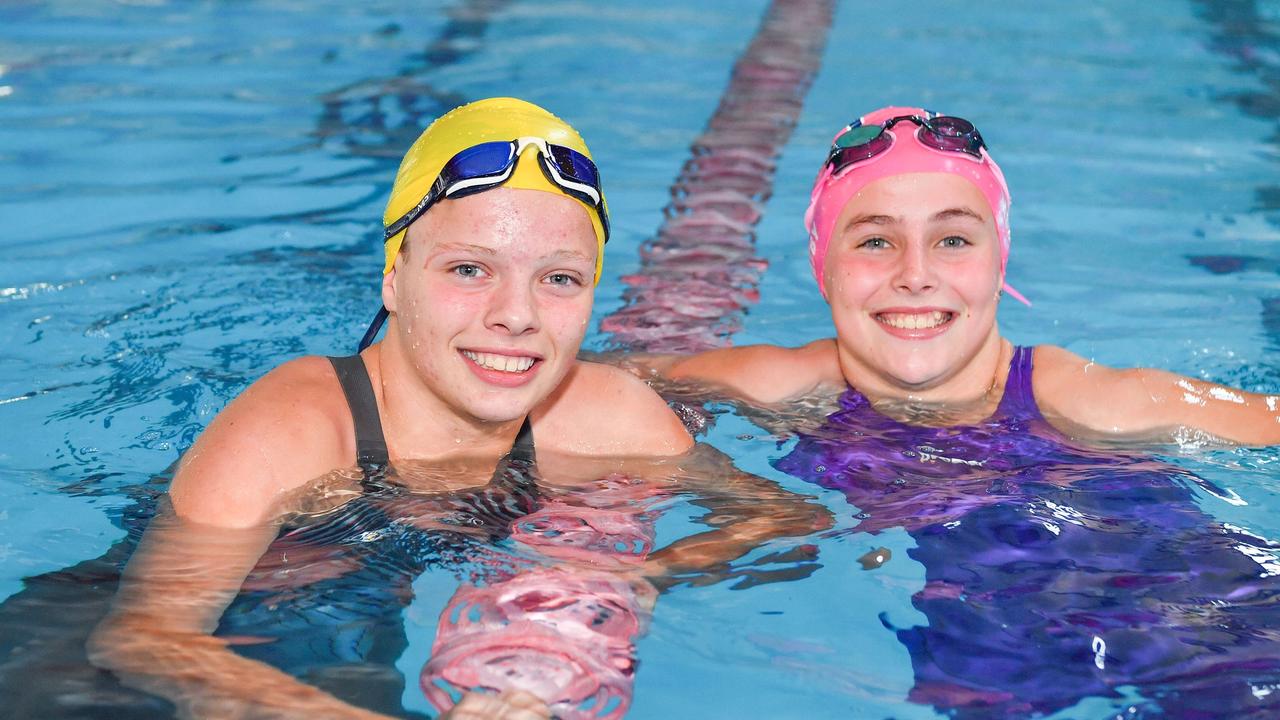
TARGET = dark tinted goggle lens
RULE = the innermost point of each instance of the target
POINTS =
(857, 144)
(952, 134)
(863, 142)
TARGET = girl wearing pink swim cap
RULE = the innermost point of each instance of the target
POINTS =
(908, 226)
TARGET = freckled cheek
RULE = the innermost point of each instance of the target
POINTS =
(568, 321)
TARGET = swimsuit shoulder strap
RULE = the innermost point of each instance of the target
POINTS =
(522, 450)
(1019, 396)
(371, 446)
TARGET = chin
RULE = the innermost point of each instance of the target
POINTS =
(914, 376)
(500, 412)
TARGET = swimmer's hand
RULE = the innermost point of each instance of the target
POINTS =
(510, 705)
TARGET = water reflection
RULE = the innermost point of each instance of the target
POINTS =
(1056, 573)
(557, 579)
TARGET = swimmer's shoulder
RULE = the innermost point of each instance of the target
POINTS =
(602, 410)
(766, 374)
(289, 427)
(1082, 395)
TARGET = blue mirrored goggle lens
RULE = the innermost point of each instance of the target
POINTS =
(481, 167)
(574, 164)
(477, 162)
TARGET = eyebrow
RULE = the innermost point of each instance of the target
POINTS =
(956, 212)
(868, 219)
(463, 247)
(448, 247)
(940, 216)
(569, 255)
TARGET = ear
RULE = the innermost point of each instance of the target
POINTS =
(389, 288)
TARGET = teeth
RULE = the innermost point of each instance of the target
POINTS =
(503, 363)
(915, 321)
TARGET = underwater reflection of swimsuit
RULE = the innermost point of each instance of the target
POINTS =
(363, 557)
(1056, 573)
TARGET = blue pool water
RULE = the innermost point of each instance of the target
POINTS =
(190, 194)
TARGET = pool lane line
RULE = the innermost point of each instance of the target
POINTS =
(699, 273)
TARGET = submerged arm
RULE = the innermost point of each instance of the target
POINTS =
(745, 512)
(158, 636)
(196, 553)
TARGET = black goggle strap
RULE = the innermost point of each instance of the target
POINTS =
(442, 188)
(374, 327)
(414, 213)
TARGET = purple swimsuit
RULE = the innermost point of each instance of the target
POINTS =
(1056, 573)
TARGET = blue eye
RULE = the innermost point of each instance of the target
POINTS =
(875, 243)
(562, 279)
(954, 241)
(467, 270)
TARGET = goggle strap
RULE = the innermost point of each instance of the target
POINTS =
(374, 327)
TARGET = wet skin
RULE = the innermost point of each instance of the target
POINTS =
(913, 278)
(491, 301)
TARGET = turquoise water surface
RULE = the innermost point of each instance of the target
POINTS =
(191, 194)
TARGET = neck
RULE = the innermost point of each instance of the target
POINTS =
(417, 422)
(974, 387)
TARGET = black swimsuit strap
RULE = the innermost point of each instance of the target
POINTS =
(371, 445)
(522, 450)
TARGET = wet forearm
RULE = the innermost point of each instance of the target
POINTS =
(202, 677)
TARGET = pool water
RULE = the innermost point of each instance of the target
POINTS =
(191, 195)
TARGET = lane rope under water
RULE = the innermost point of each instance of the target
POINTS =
(700, 273)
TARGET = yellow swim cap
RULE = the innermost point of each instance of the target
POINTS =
(482, 121)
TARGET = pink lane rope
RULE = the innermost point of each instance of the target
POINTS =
(700, 272)
(563, 632)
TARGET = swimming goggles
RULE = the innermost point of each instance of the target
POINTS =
(943, 132)
(488, 165)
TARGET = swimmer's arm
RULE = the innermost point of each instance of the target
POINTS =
(744, 511)
(1148, 404)
(283, 431)
(158, 635)
(755, 374)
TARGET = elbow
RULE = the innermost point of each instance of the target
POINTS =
(121, 647)
(810, 517)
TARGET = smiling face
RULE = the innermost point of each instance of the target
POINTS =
(913, 277)
(490, 300)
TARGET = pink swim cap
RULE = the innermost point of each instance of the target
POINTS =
(908, 154)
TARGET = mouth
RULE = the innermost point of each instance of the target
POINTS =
(513, 364)
(927, 321)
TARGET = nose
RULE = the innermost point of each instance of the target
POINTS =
(512, 309)
(915, 272)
